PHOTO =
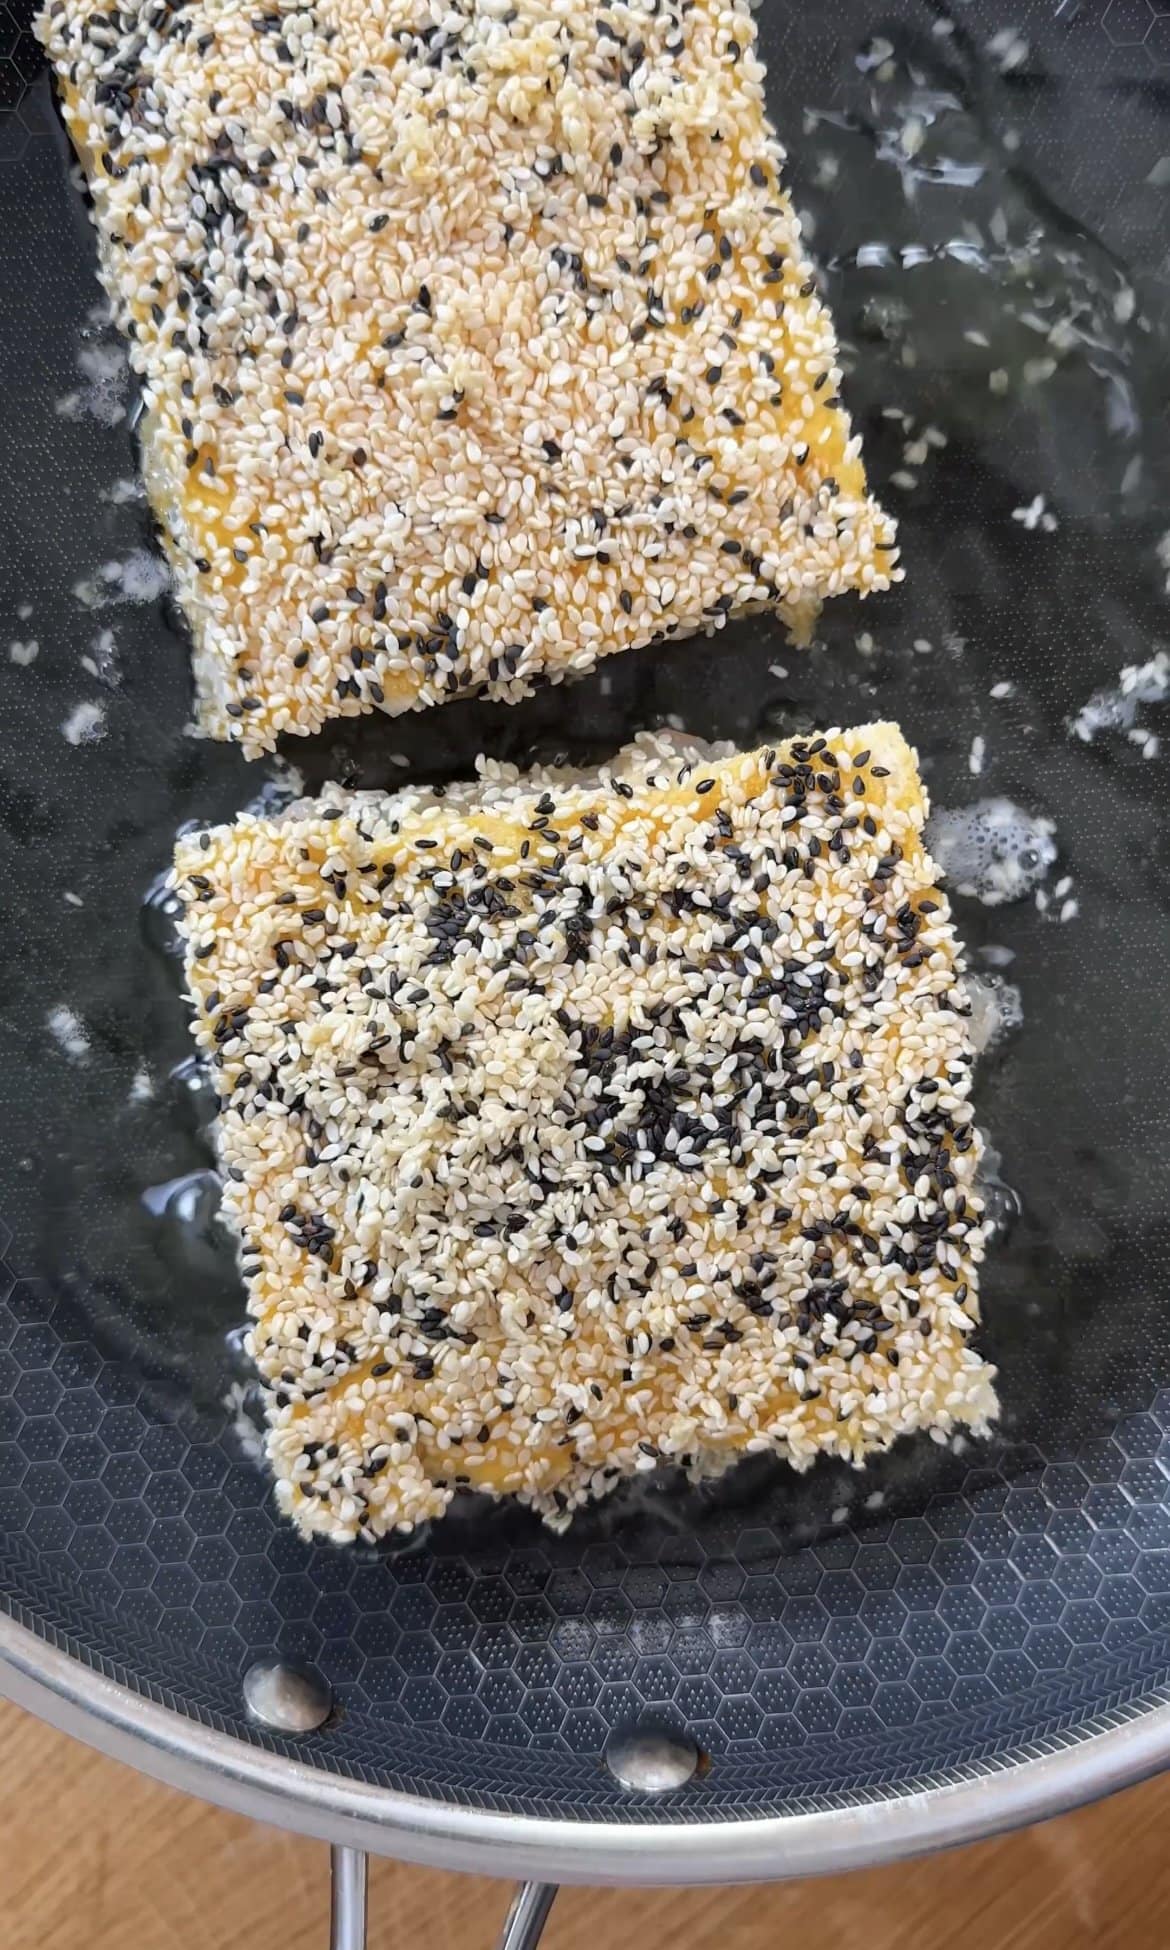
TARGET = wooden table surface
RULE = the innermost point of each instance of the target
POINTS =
(93, 1857)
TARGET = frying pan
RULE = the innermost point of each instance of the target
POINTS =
(815, 1671)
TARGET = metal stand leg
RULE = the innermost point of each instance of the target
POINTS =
(528, 1915)
(347, 1907)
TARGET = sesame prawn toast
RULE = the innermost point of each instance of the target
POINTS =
(475, 343)
(569, 1125)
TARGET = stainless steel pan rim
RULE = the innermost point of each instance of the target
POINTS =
(329, 1808)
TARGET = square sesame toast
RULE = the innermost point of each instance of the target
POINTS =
(474, 345)
(572, 1124)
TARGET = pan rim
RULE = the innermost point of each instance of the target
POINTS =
(230, 1773)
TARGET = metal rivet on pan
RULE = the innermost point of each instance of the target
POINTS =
(286, 1698)
(652, 1760)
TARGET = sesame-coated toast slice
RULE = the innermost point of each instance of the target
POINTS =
(574, 1123)
(476, 344)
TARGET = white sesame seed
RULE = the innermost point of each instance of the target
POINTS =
(68, 1031)
(86, 723)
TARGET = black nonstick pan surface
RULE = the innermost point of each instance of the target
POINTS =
(986, 188)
